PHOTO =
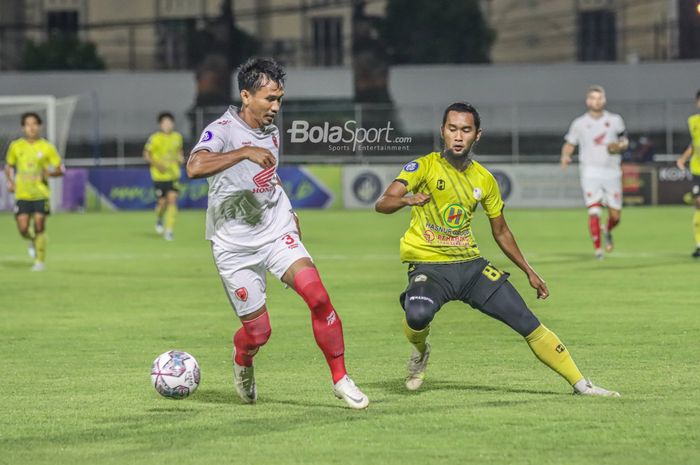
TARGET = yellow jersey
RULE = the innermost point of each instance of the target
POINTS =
(694, 128)
(31, 161)
(440, 231)
(165, 149)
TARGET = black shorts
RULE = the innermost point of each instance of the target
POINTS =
(471, 282)
(163, 187)
(696, 186)
(30, 207)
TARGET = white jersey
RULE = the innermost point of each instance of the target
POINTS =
(592, 136)
(247, 207)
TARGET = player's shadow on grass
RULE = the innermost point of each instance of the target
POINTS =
(398, 387)
(15, 264)
(230, 397)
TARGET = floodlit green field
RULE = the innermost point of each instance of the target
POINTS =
(78, 340)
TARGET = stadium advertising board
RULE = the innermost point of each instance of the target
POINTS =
(132, 188)
(638, 184)
(521, 185)
(675, 186)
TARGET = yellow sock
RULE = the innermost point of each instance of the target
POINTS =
(550, 350)
(417, 338)
(170, 212)
(696, 227)
(40, 246)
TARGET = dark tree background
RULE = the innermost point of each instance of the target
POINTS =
(436, 31)
(61, 52)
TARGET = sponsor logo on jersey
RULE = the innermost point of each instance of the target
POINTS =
(599, 140)
(224, 122)
(429, 235)
(241, 293)
(207, 136)
(275, 141)
(262, 180)
(410, 166)
(440, 184)
(454, 215)
(247, 143)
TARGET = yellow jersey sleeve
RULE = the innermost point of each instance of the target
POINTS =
(491, 200)
(52, 157)
(151, 143)
(413, 174)
(11, 157)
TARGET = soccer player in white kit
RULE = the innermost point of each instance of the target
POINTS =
(253, 229)
(601, 137)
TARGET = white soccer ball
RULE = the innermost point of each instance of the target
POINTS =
(175, 374)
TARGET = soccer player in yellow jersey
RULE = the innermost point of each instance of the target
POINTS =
(693, 153)
(30, 161)
(444, 261)
(163, 152)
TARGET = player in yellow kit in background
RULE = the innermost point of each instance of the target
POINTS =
(693, 153)
(30, 161)
(444, 261)
(163, 152)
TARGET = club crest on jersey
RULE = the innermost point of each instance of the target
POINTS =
(477, 193)
(428, 235)
(274, 141)
(241, 293)
(440, 184)
(410, 166)
(207, 136)
(454, 215)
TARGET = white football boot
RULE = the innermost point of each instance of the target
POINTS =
(417, 365)
(168, 235)
(38, 266)
(244, 381)
(159, 227)
(586, 388)
(346, 390)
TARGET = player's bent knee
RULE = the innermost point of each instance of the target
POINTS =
(420, 311)
(507, 305)
(259, 329)
(308, 285)
(595, 211)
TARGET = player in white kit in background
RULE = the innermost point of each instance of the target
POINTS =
(253, 229)
(601, 137)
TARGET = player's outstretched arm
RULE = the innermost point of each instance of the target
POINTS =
(204, 163)
(567, 151)
(683, 159)
(394, 199)
(10, 175)
(506, 241)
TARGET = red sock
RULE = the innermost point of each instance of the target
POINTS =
(594, 228)
(612, 223)
(328, 330)
(250, 337)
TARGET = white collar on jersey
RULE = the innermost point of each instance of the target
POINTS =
(233, 111)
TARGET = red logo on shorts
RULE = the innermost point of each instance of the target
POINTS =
(242, 293)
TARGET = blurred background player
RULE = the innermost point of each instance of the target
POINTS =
(693, 153)
(601, 138)
(30, 161)
(445, 263)
(253, 229)
(163, 151)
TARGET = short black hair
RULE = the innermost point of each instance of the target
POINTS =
(31, 114)
(463, 107)
(165, 114)
(254, 73)
(697, 95)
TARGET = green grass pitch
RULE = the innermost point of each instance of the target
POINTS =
(78, 340)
